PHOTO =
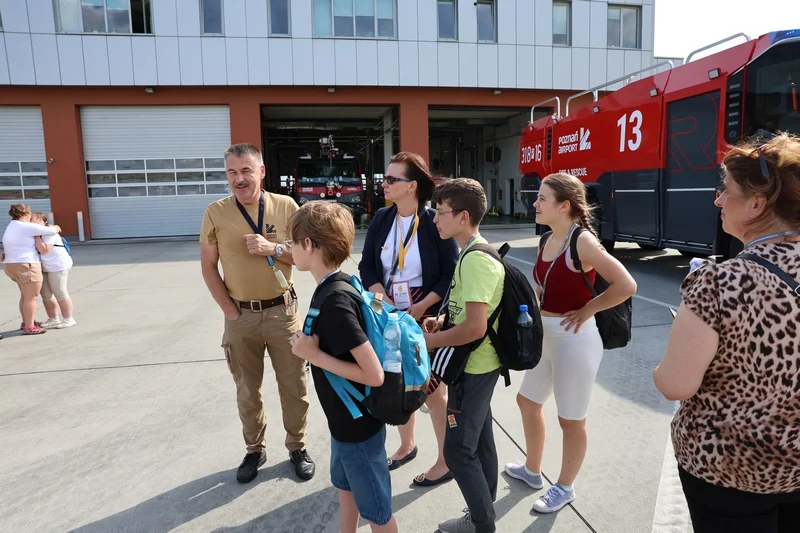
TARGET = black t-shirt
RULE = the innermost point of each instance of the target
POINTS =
(339, 329)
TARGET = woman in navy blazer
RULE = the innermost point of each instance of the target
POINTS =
(405, 234)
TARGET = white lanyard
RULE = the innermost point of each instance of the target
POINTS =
(789, 233)
(329, 274)
(552, 264)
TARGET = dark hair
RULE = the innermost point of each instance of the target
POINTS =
(18, 211)
(463, 194)
(417, 170)
(243, 149)
(777, 180)
(329, 225)
(568, 188)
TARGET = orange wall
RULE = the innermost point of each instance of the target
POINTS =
(62, 131)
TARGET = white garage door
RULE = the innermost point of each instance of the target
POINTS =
(23, 166)
(152, 171)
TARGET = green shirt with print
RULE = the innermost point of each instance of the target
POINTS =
(478, 278)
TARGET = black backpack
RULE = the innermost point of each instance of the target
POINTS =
(613, 324)
(516, 291)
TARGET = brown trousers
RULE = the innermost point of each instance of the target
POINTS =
(244, 342)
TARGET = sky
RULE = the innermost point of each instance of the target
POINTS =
(682, 26)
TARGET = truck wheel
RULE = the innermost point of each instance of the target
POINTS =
(650, 247)
(691, 255)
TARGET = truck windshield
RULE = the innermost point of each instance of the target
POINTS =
(773, 95)
(320, 172)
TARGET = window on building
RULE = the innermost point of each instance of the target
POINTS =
(156, 177)
(279, 17)
(20, 180)
(562, 23)
(211, 17)
(354, 18)
(486, 20)
(448, 21)
(103, 16)
(624, 27)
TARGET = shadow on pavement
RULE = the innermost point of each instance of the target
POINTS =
(182, 504)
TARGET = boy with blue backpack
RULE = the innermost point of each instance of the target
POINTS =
(369, 364)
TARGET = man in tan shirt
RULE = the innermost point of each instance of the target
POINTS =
(246, 232)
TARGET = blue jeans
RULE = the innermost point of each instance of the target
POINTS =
(363, 469)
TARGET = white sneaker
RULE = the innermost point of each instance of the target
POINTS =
(67, 323)
(52, 323)
(554, 500)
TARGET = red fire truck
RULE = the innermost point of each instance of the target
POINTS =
(329, 177)
(650, 151)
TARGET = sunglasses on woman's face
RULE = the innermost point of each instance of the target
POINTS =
(391, 179)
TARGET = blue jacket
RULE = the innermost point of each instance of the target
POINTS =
(438, 256)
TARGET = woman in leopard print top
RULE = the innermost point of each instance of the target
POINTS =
(733, 357)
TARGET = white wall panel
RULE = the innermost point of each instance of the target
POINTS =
(487, 65)
(191, 59)
(648, 35)
(562, 67)
(280, 72)
(45, 59)
(20, 59)
(258, 61)
(581, 23)
(411, 63)
(389, 63)
(168, 61)
(467, 21)
(150, 216)
(256, 18)
(543, 20)
(598, 66)
(598, 25)
(22, 137)
(43, 20)
(303, 61)
(70, 60)
(580, 69)
(234, 14)
(120, 60)
(346, 66)
(4, 78)
(427, 20)
(507, 66)
(95, 60)
(236, 61)
(367, 66)
(302, 19)
(145, 71)
(324, 62)
(526, 67)
(449, 65)
(15, 16)
(188, 17)
(165, 18)
(525, 22)
(467, 64)
(407, 20)
(214, 68)
(616, 66)
(507, 22)
(544, 67)
(633, 61)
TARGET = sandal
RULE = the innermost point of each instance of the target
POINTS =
(423, 481)
(397, 463)
(33, 330)
(36, 324)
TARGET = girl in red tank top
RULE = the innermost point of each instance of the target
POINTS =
(572, 347)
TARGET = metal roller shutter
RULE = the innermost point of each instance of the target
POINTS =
(23, 166)
(151, 171)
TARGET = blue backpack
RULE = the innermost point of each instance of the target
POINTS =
(401, 394)
(64, 244)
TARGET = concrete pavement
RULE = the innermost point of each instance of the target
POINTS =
(128, 422)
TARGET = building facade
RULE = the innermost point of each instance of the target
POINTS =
(114, 113)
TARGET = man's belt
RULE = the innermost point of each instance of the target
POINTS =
(261, 305)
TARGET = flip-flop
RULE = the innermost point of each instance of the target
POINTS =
(422, 481)
(395, 464)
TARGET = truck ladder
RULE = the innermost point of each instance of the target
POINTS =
(553, 99)
(712, 45)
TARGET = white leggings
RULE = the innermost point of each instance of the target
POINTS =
(568, 368)
(55, 284)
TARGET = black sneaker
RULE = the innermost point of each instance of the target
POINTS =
(303, 465)
(249, 468)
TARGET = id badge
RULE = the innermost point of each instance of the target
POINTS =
(401, 295)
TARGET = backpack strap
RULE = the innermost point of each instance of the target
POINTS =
(576, 260)
(786, 278)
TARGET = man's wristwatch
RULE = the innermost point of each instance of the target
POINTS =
(278, 250)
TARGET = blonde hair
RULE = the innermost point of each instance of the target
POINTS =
(18, 211)
(330, 227)
(42, 217)
(568, 188)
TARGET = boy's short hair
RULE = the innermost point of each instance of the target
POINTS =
(463, 194)
(329, 225)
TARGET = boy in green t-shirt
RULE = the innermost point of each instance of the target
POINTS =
(476, 291)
